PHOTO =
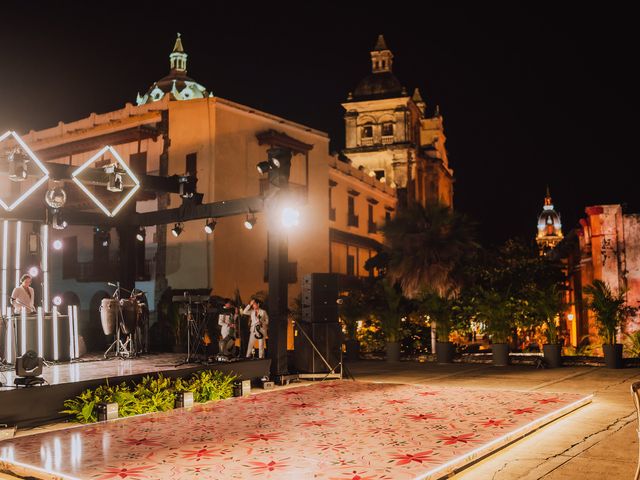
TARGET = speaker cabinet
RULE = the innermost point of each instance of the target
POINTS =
(319, 295)
(327, 338)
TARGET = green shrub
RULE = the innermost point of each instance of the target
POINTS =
(151, 394)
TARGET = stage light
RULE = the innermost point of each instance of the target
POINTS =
(265, 166)
(185, 186)
(57, 245)
(56, 197)
(34, 271)
(210, 227)
(250, 221)
(177, 229)
(125, 169)
(57, 300)
(28, 369)
(18, 162)
(290, 217)
(114, 184)
(26, 152)
(141, 234)
(57, 220)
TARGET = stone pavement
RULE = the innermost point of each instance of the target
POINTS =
(599, 441)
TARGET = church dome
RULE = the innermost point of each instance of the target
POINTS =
(381, 82)
(379, 85)
(177, 84)
(549, 226)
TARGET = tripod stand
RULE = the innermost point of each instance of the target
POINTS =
(120, 348)
(194, 332)
(340, 366)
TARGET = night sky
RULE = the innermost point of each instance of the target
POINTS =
(529, 97)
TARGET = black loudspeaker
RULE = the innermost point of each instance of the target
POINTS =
(327, 338)
(319, 295)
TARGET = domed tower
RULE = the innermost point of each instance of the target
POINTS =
(176, 84)
(549, 226)
(394, 136)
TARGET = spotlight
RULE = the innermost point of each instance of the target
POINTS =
(271, 164)
(250, 221)
(103, 236)
(57, 222)
(57, 300)
(17, 165)
(57, 244)
(114, 183)
(210, 226)
(28, 368)
(177, 229)
(186, 188)
(290, 217)
(142, 233)
(263, 167)
(34, 271)
(56, 197)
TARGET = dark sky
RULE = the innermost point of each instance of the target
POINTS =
(530, 97)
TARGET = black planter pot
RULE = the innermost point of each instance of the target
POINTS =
(612, 355)
(445, 352)
(553, 354)
(353, 350)
(393, 351)
(500, 353)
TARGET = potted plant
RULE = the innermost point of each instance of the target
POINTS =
(388, 311)
(497, 312)
(440, 309)
(548, 306)
(352, 310)
(610, 311)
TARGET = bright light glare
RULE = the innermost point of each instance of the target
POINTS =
(57, 244)
(290, 217)
(34, 271)
(57, 300)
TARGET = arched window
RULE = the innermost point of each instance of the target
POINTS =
(367, 131)
(387, 129)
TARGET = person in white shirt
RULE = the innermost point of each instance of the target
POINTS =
(258, 328)
(227, 321)
(23, 296)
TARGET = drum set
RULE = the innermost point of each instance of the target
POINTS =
(128, 319)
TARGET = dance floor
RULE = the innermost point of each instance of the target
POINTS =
(338, 430)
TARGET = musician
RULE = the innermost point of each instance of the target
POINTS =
(258, 328)
(23, 296)
(227, 321)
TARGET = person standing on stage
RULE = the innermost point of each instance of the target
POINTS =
(22, 296)
(227, 321)
(258, 328)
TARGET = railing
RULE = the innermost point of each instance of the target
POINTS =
(372, 227)
(387, 139)
(366, 141)
(352, 220)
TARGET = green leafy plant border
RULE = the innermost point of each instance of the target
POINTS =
(150, 394)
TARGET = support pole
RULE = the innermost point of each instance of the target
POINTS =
(278, 264)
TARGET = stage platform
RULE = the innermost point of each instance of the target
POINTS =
(29, 407)
(337, 430)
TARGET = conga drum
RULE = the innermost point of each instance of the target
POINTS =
(109, 315)
(129, 314)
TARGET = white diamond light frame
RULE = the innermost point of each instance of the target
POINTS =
(126, 168)
(35, 186)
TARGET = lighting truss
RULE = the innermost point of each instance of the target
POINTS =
(10, 206)
(95, 200)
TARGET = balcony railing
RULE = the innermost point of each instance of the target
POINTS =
(352, 220)
(372, 227)
(366, 141)
(387, 139)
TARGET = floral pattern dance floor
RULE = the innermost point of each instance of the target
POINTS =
(337, 430)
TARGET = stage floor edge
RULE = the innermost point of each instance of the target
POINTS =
(35, 406)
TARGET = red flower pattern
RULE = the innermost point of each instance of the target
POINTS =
(495, 423)
(148, 442)
(264, 436)
(125, 472)
(261, 467)
(404, 458)
(424, 416)
(545, 401)
(522, 411)
(453, 439)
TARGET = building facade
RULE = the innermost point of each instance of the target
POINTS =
(393, 134)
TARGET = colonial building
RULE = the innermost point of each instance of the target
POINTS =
(394, 134)
(179, 127)
(605, 247)
(549, 226)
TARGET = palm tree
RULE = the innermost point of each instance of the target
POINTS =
(426, 245)
(610, 309)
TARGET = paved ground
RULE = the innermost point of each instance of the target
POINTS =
(598, 441)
